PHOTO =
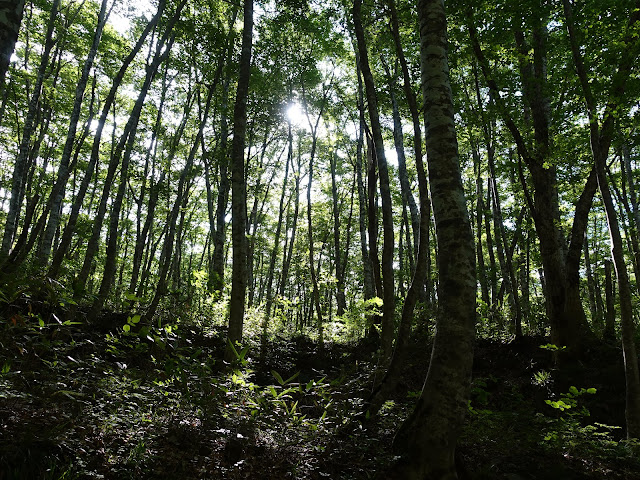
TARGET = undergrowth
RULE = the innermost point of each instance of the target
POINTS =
(155, 402)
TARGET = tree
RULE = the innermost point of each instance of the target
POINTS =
(238, 189)
(21, 165)
(428, 437)
(10, 19)
(388, 308)
(601, 133)
(533, 141)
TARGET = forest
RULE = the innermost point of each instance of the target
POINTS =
(368, 239)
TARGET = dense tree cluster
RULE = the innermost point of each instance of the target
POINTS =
(335, 169)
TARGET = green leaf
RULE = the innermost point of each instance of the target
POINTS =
(126, 327)
(292, 378)
(278, 377)
(591, 390)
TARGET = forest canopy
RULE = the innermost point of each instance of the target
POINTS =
(277, 175)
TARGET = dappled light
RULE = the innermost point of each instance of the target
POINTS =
(310, 240)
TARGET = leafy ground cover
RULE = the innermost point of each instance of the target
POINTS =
(78, 403)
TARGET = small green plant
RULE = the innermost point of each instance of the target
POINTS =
(542, 378)
(241, 356)
(552, 347)
(132, 321)
(569, 400)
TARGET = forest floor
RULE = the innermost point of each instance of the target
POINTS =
(158, 404)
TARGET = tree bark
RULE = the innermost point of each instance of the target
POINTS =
(21, 165)
(388, 308)
(428, 437)
(10, 20)
(239, 189)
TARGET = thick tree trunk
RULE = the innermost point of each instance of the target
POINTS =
(428, 438)
(239, 189)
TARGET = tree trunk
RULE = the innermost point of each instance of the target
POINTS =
(216, 268)
(10, 19)
(239, 189)
(57, 193)
(21, 166)
(274, 251)
(428, 437)
(286, 260)
(340, 296)
(163, 48)
(367, 267)
(564, 309)
(315, 299)
(482, 272)
(122, 152)
(388, 308)
(67, 235)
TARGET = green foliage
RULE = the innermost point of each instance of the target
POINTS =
(552, 347)
(542, 378)
(569, 400)
(357, 318)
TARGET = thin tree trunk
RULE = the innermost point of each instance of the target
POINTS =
(274, 252)
(239, 189)
(596, 315)
(21, 166)
(388, 308)
(286, 261)
(609, 332)
(122, 152)
(340, 296)
(216, 269)
(163, 49)
(69, 230)
(367, 268)
(179, 207)
(482, 273)
(57, 193)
